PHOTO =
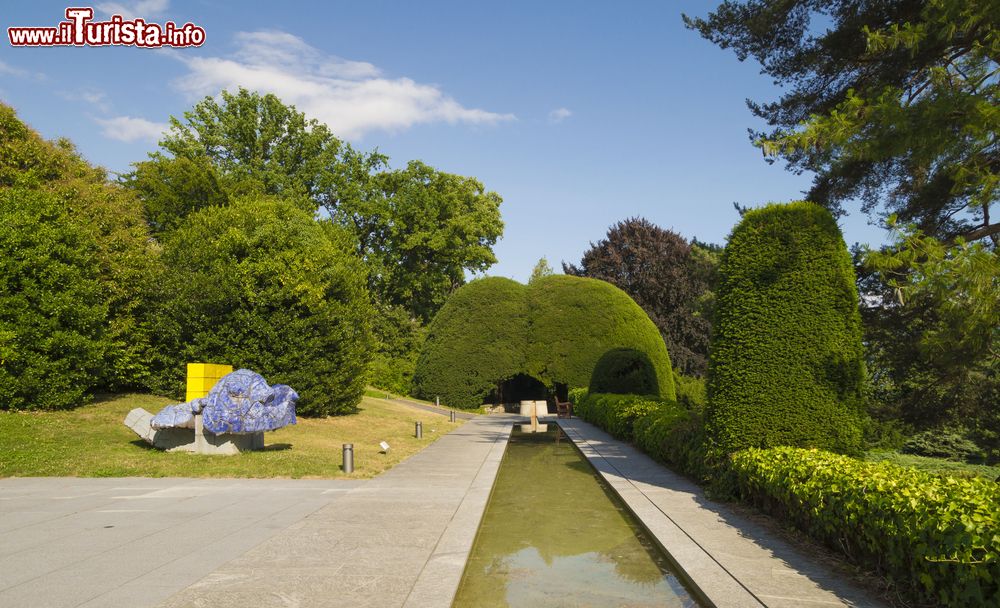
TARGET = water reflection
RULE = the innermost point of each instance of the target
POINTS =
(554, 535)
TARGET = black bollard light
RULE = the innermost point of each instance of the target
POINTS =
(348, 458)
(419, 430)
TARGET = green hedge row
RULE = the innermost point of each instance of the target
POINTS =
(936, 538)
(615, 414)
(669, 431)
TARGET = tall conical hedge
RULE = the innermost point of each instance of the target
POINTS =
(785, 365)
(555, 329)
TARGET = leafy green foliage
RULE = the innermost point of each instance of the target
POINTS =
(476, 340)
(934, 326)
(936, 466)
(259, 284)
(420, 230)
(670, 279)
(786, 366)
(675, 436)
(950, 444)
(541, 269)
(52, 309)
(895, 103)
(398, 338)
(692, 392)
(99, 235)
(933, 536)
(575, 320)
(666, 430)
(257, 144)
(555, 330)
(617, 414)
(624, 371)
(172, 188)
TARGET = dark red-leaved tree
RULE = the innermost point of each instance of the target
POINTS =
(661, 271)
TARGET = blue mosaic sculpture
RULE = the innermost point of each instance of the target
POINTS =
(240, 403)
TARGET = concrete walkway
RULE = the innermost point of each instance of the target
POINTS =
(431, 408)
(733, 561)
(401, 539)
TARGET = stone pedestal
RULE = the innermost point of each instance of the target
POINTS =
(540, 408)
(195, 440)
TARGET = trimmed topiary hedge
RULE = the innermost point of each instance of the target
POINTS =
(935, 537)
(476, 340)
(624, 371)
(667, 430)
(575, 321)
(555, 330)
(786, 363)
(616, 414)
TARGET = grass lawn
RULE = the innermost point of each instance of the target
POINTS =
(380, 393)
(936, 465)
(92, 442)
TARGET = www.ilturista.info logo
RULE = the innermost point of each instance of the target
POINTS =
(79, 29)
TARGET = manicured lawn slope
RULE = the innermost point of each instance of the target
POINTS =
(938, 466)
(92, 442)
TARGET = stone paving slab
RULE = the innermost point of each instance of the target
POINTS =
(731, 560)
(135, 541)
(399, 539)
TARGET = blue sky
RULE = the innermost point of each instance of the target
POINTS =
(579, 114)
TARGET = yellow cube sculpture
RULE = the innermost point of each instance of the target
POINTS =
(201, 377)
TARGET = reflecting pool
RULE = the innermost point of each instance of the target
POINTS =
(554, 534)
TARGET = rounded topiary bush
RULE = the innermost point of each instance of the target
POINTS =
(786, 363)
(476, 340)
(624, 371)
(575, 321)
(555, 330)
(260, 284)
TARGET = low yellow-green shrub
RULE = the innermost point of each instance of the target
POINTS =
(615, 414)
(935, 537)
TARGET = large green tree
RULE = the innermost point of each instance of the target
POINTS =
(258, 144)
(895, 103)
(419, 229)
(425, 229)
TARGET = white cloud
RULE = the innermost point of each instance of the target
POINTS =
(559, 114)
(145, 9)
(95, 97)
(129, 129)
(351, 97)
(6, 68)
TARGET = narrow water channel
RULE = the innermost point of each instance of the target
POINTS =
(554, 534)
